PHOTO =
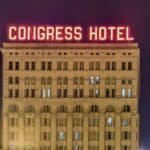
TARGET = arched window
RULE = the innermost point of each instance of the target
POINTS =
(126, 108)
(62, 108)
(110, 109)
(78, 108)
(45, 108)
(29, 108)
(13, 108)
(94, 108)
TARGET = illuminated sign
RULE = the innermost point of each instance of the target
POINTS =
(69, 33)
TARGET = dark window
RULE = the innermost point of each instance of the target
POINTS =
(75, 65)
(10, 93)
(10, 80)
(32, 65)
(97, 67)
(26, 94)
(26, 65)
(107, 66)
(32, 93)
(49, 65)
(58, 92)
(16, 93)
(16, 80)
(91, 65)
(107, 93)
(16, 65)
(75, 93)
(59, 65)
(43, 65)
(129, 65)
(123, 65)
(113, 65)
(65, 93)
(81, 65)
(81, 92)
(65, 67)
(10, 65)
(113, 93)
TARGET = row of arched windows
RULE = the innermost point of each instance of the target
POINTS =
(63, 108)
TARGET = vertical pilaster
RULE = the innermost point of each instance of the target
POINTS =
(5, 131)
(102, 131)
(53, 131)
(117, 132)
(85, 132)
(69, 132)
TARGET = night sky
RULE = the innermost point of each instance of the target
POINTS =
(135, 13)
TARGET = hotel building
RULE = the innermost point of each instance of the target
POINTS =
(70, 96)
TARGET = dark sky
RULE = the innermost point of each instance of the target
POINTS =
(135, 13)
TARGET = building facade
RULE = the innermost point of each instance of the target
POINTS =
(70, 96)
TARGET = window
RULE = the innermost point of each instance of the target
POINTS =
(93, 135)
(49, 80)
(43, 80)
(65, 80)
(16, 93)
(26, 93)
(49, 65)
(13, 108)
(129, 93)
(77, 108)
(97, 67)
(46, 136)
(75, 80)
(75, 65)
(125, 135)
(91, 92)
(123, 92)
(91, 65)
(16, 65)
(97, 79)
(27, 65)
(107, 93)
(33, 80)
(10, 93)
(109, 135)
(126, 108)
(107, 66)
(43, 65)
(32, 65)
(10, 65)
(65, 92)
(129, 65)
(16, 80)
(59, 65)
(77, 147)
(81, 65)
(48, 93)
(123, 65)
(91, 80)
(113, 92)
(81, 80)
(61, 135)
(109, 121)
(13, 122)
(59, 80)
(77, 121)
(77, 135)
(93, 121)
(97, 93)
(125, 121)
(123, 81)
(75, 93)
(10, 80)
(43, 93)
(81, 93)
(129, 81)
(58, 92)
(113, 65)
(32, 93)
(65, 67)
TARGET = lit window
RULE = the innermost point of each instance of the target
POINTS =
(109, 121)
(97, 79)
(91, 80)
(76, 135)
(125, 122)
(123, 92)
(129, 93)
(48, 93)
(61, 135)
(97, 92)
(43, 93)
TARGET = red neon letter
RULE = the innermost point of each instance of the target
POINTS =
(128, 37)
(120, 34)
(78, 33)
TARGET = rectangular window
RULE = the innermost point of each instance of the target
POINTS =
(59, 65)
(16, 93)
(48, 93)
(10, 65)
(97, 67)
(81, 65)
(129, 93)
(107, 66)
(10, 93)
(32, 65)
(65, 67)
(32, 93)
(75, 93)
(58, 92)
(27, 65)
(113, 92)
(113, 65)
(65, 94)
(123, 92)
(81, 93)
(91, 65)
(43, 65)
(49, 65)
(75, 65)
(16, 80)
(97, 93)
(26, 93)
(107, 93)
(16, 65)
(129, 65)
(81, 80)
(91, 92)
(123, 65)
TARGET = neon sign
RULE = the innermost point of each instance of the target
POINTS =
(69, 33)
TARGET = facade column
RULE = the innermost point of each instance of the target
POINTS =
(133, 131)
(69, 132)
(53, 131)
(117, 131)
(102, 131)
(21, 131)
(85, 132)
(5, 132)
(37, 131)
